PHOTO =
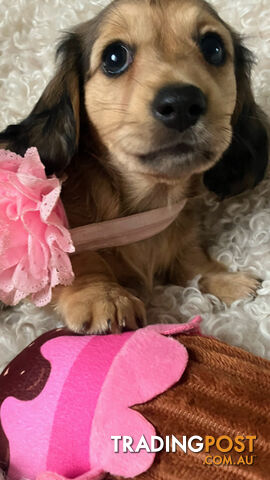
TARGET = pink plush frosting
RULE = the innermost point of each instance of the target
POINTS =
(34, 240)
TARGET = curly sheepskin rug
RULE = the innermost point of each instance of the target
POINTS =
(238, 229)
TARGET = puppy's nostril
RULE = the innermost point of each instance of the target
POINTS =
(179, 106)
(195, 110)
(165, 110)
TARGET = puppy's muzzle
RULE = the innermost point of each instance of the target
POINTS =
(179, 107)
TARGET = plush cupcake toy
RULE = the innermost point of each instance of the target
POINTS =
(65, 396)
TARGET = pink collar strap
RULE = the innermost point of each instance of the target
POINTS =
(125, 230)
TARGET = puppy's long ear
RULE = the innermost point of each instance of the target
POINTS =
(53, 126)
(243, 165)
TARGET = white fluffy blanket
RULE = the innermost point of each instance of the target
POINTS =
(239, 229)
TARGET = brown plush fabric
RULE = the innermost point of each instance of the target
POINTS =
(224, 391)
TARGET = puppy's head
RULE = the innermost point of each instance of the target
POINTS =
(162, 84)
(162, 87)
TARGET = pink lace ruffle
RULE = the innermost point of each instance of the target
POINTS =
(34, 238)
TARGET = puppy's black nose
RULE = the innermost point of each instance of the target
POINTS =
(179, 107)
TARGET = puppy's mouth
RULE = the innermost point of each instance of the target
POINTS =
(173, 152)
(174, 161)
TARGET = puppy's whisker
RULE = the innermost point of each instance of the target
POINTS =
(240, 139)
(108, 109)
(103, 102)
(115, 128)
(144, 86)
(121, 140)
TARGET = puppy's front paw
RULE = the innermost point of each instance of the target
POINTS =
(102, 307)
(229, 287)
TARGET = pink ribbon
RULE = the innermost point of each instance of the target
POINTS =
(125, 230)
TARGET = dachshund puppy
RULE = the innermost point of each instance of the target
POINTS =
(148, 96)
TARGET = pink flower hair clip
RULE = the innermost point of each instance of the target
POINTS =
(34, 238)
(35, 242)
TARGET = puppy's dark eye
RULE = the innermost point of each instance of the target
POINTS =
(213, 49)
(116, 59)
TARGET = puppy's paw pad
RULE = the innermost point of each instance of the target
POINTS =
(103, 308)
(242, 285)
(230, 287)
